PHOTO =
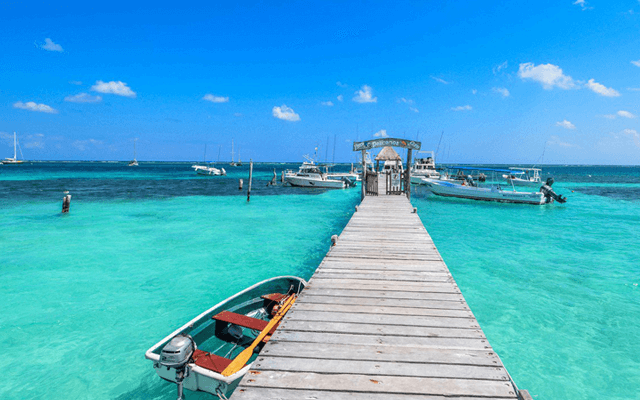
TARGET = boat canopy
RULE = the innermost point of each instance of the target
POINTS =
(509, 171)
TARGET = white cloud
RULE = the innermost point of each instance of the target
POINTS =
(601, 89)
(285, 113)
(327, 103)
(35, 141)
(632, 89)
(342, 85)
(83, 145)
(414, 109)
(548, 75)
(566, 124)
(365, 95)
(340, 98)
(474, 91)
(582, 4)
(32, 106)
(625, 114)
(381, 133)
(636, 63)
(215, 99)
(634, 134)
(50, 46)
(503, 91)
(83, 98)
(554, 140)
(497, 68)
(610, 116)
(406, 101)
(119, 88)
(439, 80)
(462, 108)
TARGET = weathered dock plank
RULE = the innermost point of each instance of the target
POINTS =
(381, 318)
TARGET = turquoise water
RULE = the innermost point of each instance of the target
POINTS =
(145, 249)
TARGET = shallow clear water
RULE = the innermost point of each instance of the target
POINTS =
(145, 249)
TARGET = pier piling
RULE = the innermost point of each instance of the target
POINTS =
(250, 179)
(240, 184)
(66, 202)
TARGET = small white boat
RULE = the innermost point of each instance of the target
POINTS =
(213, 351)
(13, 160)
(310, 175)
(469, 189)
(424, 167)
(208, 169)
(523, 176)
(134, 162)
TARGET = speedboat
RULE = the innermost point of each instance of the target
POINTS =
(213, 351)
(310, 175)
(470, 189)
(208, 170)
(424, 167)
(523, 176)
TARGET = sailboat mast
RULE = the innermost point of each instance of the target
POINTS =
(15, 155)
(232, 150)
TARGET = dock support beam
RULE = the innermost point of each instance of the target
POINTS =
(364, 176)
(407, 183)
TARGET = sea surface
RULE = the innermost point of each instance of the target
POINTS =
(145, 249)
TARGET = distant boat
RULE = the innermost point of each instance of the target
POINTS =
(524, 176)
(13, 160)
(233, 163)
(424, 167)
(208, 169)
(134, 163)
(213, 351)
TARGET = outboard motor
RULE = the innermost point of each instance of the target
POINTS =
(549, 194)
(470, 181)
(177, 354)
(482, 177)
(348, 182)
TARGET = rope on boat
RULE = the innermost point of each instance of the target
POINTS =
(221, 395)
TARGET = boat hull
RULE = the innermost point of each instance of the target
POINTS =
(448, 189)
(313, 182)
(202, 329)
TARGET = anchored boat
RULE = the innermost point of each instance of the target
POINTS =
(213, 351)
(310, 175)
(523, 176)
(470, 189)
(424, 167)
(13, 160)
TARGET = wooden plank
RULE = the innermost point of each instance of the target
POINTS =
(376, 309)
(402, 320)
(313, 298)
(427, 277)
(389, 353)
(251, 393)
(379, 384)
(436, 293)
(380, 368)
(380, 329)
(358, 284)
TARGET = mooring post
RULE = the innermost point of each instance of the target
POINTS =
(334, 240)
(66, 202)
(240, 184)
(407, 184)
(364, 176)
(282, 177)
(273, 180)
(250, 178)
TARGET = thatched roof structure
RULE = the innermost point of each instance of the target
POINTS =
(388, 154)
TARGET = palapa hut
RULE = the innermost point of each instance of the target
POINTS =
(391, 158)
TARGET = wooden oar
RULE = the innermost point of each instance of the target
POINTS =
(242, 358)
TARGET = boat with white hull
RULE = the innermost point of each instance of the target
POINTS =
(493, 193)
(310, 175)
(13, 160)
(213, 351)
(208, 169)
(424, 167)
(524, 176)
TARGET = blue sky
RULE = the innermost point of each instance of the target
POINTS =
(504, 81)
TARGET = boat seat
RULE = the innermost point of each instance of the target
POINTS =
(241, 320)
(210, 361)
(277, 297)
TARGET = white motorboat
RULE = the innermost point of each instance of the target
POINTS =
(523, 176)
(310, 175)
(469, 189)
(353, 175)
(424, 167)
(13, 160)
(213, 351)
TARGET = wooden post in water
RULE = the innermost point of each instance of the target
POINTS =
(364, 176)
(407, 184)
(66, 202)
(282, 177)
(273, 180)
(250, 178)
(240, 184)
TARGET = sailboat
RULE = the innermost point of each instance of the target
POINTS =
(13, 160)
(208, 169)
(134, 163)
(233, 163)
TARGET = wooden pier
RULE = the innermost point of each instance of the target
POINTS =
(381, 318)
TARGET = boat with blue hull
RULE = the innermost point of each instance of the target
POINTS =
(213, 351)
